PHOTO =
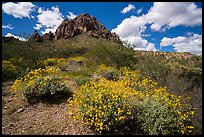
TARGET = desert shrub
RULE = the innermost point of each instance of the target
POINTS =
(64, 66)
(45, 89)
(50, 62)
(108, 72)
(40, 85)
(156, 118)
(99, 107)
(9, 70)
(110, 53)
(82, 80)
(156, 69)
(54, 61)
(26, 65)
(22, 81)
(72, 64)
(106, 104)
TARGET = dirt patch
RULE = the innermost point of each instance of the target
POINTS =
(19, 118)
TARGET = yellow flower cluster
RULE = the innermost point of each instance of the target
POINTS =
(31, 76)
(103, 67)
(54, 61)
(105, 103)
(9, 67)
(99, 106)
(78, 58)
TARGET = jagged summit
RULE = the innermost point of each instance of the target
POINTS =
(49, 36)
(36, 37)
(84, 23)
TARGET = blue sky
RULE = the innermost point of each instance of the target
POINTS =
(174, 26)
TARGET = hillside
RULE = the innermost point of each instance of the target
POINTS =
(88, 69)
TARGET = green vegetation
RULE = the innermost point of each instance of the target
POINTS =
(106, 104)
(115, 85)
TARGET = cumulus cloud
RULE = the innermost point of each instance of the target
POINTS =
(9, 26)
(18, 10)
(138, 43)
(49, 19)
(17, 37)
(71, 15)
(132, 26)
(161, 16)
(172, 14)
(128, 8)
(131, 30)
(191, 44)
(38, 26)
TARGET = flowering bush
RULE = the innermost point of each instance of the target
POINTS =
(100, 107)
(9, 70)
(53, 61)
(110, 73)
(21, 82)
(39, 84)
(106, 103)
(72, 64)
(45, 88)
(77, 58)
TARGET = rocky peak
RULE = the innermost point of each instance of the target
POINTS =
(37, 37)
(48, 36)
(84, 23)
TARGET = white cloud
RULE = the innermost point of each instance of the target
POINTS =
(138, 43)
(169, 41)
(161, 17)
(38, 26)
(139, 11)
(71, 15)
(50, 19)
(191, 44)
(18, 10)
(132, 26)
(17, 37)
(128, 8)
(9, 26)
(40, 10)
(131, 30)
(172, 14)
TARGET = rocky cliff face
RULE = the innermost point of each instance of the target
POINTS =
(49, 36)
(84, 24)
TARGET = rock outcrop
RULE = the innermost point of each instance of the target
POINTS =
(49, 36)
(84, 24)
(36, 37)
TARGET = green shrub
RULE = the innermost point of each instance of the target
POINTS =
(64, 66)
(110, 73)
(50, 62)
(106, 104)
(45, 88)
(155, 118)
(9, 70)
(112, 54)
(82, 80)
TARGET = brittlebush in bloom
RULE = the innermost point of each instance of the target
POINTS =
(106, 103)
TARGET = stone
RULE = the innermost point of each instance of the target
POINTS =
(49, 36)
(84, 24)
(36, 37)
(20, 110)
